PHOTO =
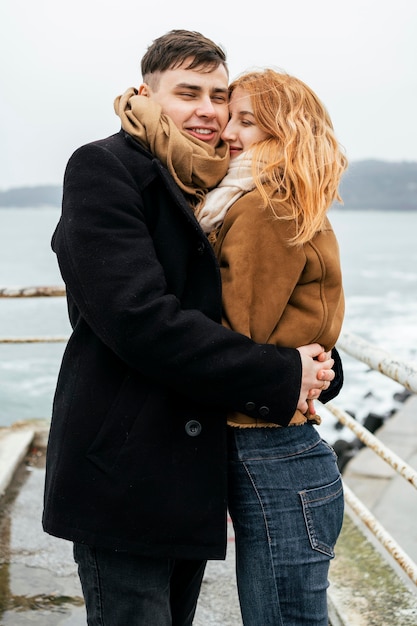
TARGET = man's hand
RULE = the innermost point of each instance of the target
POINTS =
(317, 374)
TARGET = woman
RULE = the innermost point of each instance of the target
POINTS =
(282, 284)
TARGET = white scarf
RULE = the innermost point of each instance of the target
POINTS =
(238, 180)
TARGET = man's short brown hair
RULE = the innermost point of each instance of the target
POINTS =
(172, 49)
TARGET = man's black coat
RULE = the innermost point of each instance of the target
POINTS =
(137, 452)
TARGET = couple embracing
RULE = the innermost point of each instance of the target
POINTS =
(205, 297)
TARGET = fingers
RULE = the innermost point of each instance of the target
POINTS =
(324, 356)
(302, 406)
(316, 351)
(315, 392)
(324, 382)
(326, 374)
(321, 386)
(311, 407)
(313, 350)
(307, 406)
(317, 373)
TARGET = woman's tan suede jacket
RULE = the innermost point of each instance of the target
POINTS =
(274, 292)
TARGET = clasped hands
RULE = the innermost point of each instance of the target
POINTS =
(317, 375)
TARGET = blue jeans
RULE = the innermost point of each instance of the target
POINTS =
(286, 503)
(123, 589)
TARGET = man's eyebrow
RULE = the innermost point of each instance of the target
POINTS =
(187, 86)
(198, 88)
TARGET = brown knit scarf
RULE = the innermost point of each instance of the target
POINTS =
(195, 166)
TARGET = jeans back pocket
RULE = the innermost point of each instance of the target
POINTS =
(323, 509)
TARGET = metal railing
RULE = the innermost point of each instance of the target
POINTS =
(377, 359)
(406, 374)
(33, 292)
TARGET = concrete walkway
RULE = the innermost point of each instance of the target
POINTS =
(391, 498)
(38, 579)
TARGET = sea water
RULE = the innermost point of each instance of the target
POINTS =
(379, 264)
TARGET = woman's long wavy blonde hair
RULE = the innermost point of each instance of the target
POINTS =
(301, 158)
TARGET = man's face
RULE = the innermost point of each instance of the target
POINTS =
(196, 101)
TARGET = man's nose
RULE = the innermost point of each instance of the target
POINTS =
(206, 108)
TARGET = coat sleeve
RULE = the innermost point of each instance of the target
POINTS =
(112, 274)
(337, 382)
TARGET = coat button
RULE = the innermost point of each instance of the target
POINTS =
(263, 411)
(200, 249)
(250, 406)
(193, 428)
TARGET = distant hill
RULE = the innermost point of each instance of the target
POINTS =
(32, 197)
(380, 185)
(367, 185)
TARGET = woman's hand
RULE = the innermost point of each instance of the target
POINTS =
(317, 375)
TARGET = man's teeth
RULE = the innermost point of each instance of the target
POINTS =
(202, 131)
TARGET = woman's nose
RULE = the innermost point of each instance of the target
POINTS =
(228, 134)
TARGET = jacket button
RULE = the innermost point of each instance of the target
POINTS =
(250, 406)
(263, 411)
(200, 249)
(193, 428)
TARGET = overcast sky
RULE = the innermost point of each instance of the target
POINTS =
(62, 64)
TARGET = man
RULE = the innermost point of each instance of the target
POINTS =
(136, 463)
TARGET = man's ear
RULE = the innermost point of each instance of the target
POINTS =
(144, 90)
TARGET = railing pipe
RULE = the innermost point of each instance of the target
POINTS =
(60, 339)
(375, 444)
(385, 539)
(379, 360)
(32, 292)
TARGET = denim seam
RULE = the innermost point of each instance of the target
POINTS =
(260, 502)
(332, 495)
(268, 536)
(286, 456)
